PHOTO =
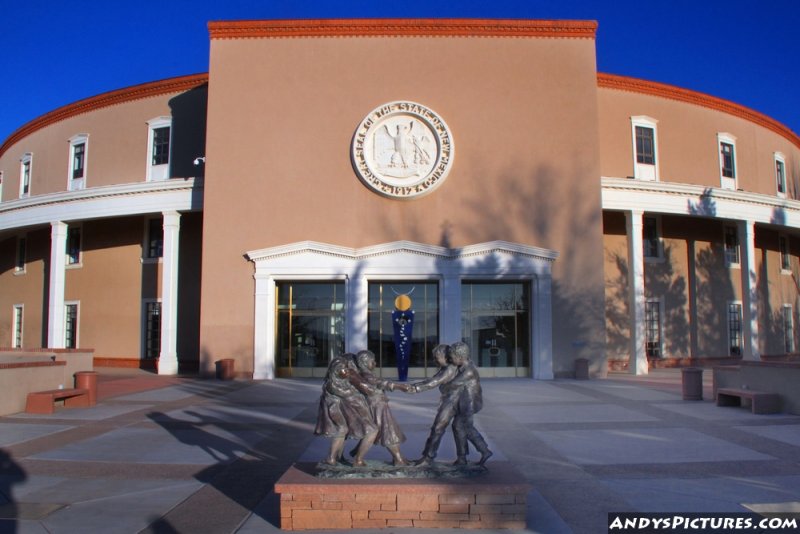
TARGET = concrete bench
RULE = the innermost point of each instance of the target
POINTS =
(760, 401)
(43, 401)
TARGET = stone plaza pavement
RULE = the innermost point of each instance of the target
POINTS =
(165, 455)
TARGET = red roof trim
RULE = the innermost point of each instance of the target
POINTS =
(636, 85)
(119, 96)
(248, 29)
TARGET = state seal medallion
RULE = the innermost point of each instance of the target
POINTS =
(402, 150)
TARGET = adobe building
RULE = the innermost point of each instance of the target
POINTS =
(272, 210)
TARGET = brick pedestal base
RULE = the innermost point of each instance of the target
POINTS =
(493, 500)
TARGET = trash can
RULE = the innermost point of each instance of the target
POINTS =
(581, 369)
(692, 378)
(225, 369)
(87, 380)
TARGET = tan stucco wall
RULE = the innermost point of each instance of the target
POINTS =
(687, 143)
(24, 288)
(282, 113)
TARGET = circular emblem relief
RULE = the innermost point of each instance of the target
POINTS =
(402, 150)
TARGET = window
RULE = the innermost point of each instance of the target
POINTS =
(22, 252)
(74, 245)
(780, 174)
(18, 314)
(152, 329)
(25, 170)
(71, 325)
(651, 237)
(78, 145)
(788, 328)
(495, 320)
(310, 323)
(735, 329)
(644, 135)
(158, 149)
(727, 160)
(1, 186)
(731, 246)
(786, 262)
(154, 240)
(424, 297)
(652, 326)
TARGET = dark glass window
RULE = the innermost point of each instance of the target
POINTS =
(71, 326)
(650, 238)
(155, 238)
(26, 177)
(728, 166)
(310, 323)
(425, 331)
(152, 330)
(652, 324)
(735, 329)
(731, 245)
(18, 313)
(788, 329)
(645, 145)
(783, 244)
(78, 159)
(495, 320)
(73, 246)
(22, 246)
(780, 176)
(161, 146)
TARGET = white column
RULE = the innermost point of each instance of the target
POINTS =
(263, 350)
(357, 334)
(168, 360)
(451, 310)
(638, 357)
(58, 264)
(542, 365)
(749, 298)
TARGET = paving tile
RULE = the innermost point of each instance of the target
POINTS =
(644, 446)
(576, 413)
(205, 445)
(704, 494)
(233, 414)
(784, 433)
(95, 413)
(12, 433)
(630, 392)
(709, 411)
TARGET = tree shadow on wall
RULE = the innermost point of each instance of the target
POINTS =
(661, 283)
(714, 291)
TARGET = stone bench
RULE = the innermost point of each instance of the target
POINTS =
(43, 401)
(760, 401)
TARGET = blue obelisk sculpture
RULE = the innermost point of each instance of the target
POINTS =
(403, 323)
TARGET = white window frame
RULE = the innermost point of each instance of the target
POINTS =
(157, 173)
(25, 160)
(21, 267)
(76, 184)
(77, 305)
(18, 323)
(645, 171)
(79, 263)
(783, 239)
(732, 264)
(780, 158)
(726, 182)
(790, 339)
(741, 326)
(659, 257)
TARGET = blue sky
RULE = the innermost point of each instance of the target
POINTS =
(54, 53)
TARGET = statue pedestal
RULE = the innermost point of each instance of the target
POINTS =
(495, 499)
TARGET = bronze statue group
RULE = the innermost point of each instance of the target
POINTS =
(354, 405)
